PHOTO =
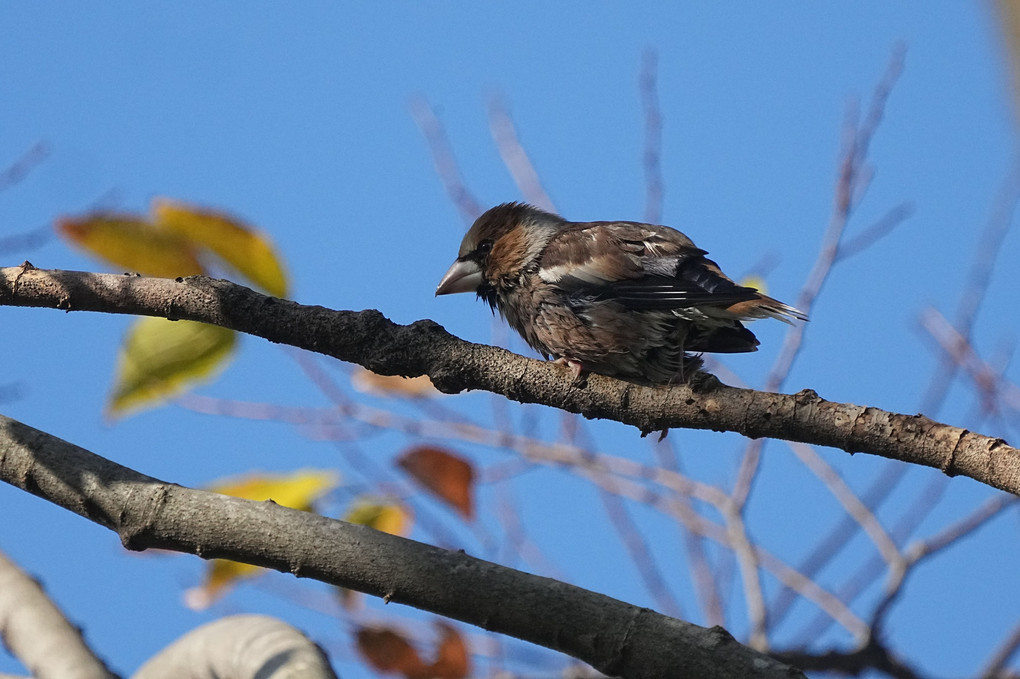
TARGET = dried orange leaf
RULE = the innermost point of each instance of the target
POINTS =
(389, 517)
(452, 659)
(160, 359)
(244, 249)
(369, 382)
(132, 244)
(297, 490)
(388, 651)
(450, 477)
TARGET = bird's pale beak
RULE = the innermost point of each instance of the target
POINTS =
(463, 276)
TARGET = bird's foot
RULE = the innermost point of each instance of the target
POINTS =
(576, 370)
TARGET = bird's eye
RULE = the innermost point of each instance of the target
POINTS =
(484, 247)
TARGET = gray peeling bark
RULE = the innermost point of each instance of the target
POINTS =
(425, 348)
(614, 637)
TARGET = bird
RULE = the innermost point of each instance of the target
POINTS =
(629, 300)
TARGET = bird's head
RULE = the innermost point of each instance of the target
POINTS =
(501, 244)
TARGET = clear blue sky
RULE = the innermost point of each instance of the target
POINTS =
(297, 119)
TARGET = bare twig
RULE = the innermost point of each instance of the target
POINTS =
(446, 164)
(852, 504)
(957, 348)
(1007, 649)
(978, 280)
(515, 158)
(26, 240)
(19, 169)
(874, 233)
(629, 533)
(924, 549)
(706, 584)
(750, 575)
(832, 545)
(652, 159)
(850, 187)
(873, 655)
(870, 571)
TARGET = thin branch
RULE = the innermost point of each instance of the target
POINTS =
(851, 184)
(652, 158)
(19, 169)
(515, 158)
(837, 540)
(1005, 652)
(924, 549)
(850, 187)
(870, 571)
(957, 348)
(629, 533)
(876, 232)
(750, 576)
(706, 584)
(26, 240)
(640, 554)
(442, 156)
(851, 503)
(979, 276)
(871, 656)
(789, 577)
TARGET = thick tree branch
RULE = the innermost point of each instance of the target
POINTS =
(425, 348)
(612, 636)
(32, 627)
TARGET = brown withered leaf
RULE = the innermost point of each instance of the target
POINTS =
(448, 476)
(452, 660)
(388, 651)
(368, 382)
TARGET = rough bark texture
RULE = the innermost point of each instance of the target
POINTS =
(614, 637)
(425, 348)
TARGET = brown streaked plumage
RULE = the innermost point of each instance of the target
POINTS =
(618, 298)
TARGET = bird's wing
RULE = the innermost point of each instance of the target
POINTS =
(641, 266)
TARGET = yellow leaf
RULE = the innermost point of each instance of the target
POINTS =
(448, 476)
(389, 517)
(132, 244)
(756, 282)
(220, 576)
(297, 490)
(247, 251)
(160, 359)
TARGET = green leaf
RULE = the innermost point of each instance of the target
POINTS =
(160, 359)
